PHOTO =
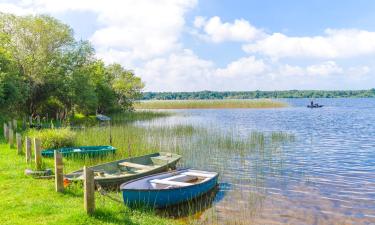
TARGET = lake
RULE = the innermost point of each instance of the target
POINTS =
(322, 173)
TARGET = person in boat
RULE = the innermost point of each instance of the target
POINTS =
(312, 103)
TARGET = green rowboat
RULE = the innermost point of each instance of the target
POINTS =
(113, 174)
(81, 151)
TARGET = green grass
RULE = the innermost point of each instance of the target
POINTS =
(208, 104)
(25, 200)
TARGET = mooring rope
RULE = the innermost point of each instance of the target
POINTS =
(104, 193)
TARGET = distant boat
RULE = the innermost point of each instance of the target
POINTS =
(314, 106)
(81, 151)
(166, 189)
(114, 173)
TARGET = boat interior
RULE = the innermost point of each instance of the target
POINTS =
(128, 167)
(183, 179)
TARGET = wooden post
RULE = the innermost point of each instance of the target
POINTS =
(38, 119)
(10, 124)
(6, 132)
(59, 176)
(24, 123)
(14, 124)
(28, 149)
(89, 190)
(110, 133)
(11, 138)
(38, 155)
(19, 143)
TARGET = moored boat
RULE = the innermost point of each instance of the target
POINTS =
(166, 189)
(81, 151)
(114, 173)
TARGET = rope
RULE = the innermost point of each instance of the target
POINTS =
(105, 193)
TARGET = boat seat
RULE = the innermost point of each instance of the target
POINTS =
(197, 174)
(135, 165)
(173, 183)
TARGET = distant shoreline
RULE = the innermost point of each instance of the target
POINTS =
(209, 104)
(258, 94)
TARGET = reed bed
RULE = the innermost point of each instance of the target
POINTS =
(239, 159)
(210, 104)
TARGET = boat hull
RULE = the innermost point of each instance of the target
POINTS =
(161, 198)
(82, 151)
(115, 182)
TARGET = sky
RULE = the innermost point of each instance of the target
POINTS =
(223, 45)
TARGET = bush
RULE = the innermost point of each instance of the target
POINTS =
(54, 138)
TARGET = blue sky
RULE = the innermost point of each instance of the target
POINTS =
(191, 45)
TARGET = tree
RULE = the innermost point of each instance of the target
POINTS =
(125, 84)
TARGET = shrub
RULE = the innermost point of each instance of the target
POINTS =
(54, 138)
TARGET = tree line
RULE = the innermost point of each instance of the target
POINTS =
(258, 94)
(43, 69)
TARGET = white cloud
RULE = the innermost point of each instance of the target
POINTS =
(217, 31)
(324, 69)
(146, 36)
(342, 43)
(242, 67)
(140, 29)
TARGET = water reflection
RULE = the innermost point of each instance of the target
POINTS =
(321, 172)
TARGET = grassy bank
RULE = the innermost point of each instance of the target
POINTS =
(208, 104)
(31, 201)
(25, 200)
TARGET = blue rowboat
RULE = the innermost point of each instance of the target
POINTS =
(81, 151)
(166, 189)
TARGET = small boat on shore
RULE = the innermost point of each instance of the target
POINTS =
(80, 151)
(166, 189)
(114, 173)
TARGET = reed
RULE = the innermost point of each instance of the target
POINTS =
(237, 157)
(209, 104)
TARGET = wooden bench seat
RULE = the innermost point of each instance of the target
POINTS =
(136, 165)
(172, 183)
(197, 174)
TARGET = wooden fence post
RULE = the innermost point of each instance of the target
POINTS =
(89, 190)
(14, 124)
(6, 132)
(38, 155)
(11, 138)
(59, 172)
(28, 149)
(24, 123)
(19, 143)
(10, 125)
(38, 119)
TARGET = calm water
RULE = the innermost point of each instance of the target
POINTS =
(325, 176)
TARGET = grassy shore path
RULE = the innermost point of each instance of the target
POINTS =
(25, 200)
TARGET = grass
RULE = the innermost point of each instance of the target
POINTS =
(31, 201)
(25, 200)
(209, 104)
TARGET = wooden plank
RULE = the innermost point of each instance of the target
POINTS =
(24, 123)
(135, 165)
(19, 143)
(11, 138)
(89, 190)
(38, 154)
(14, 124)
(6, 132)
(59, 172)
(197, 174)
(28, 149)
(169, 182)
